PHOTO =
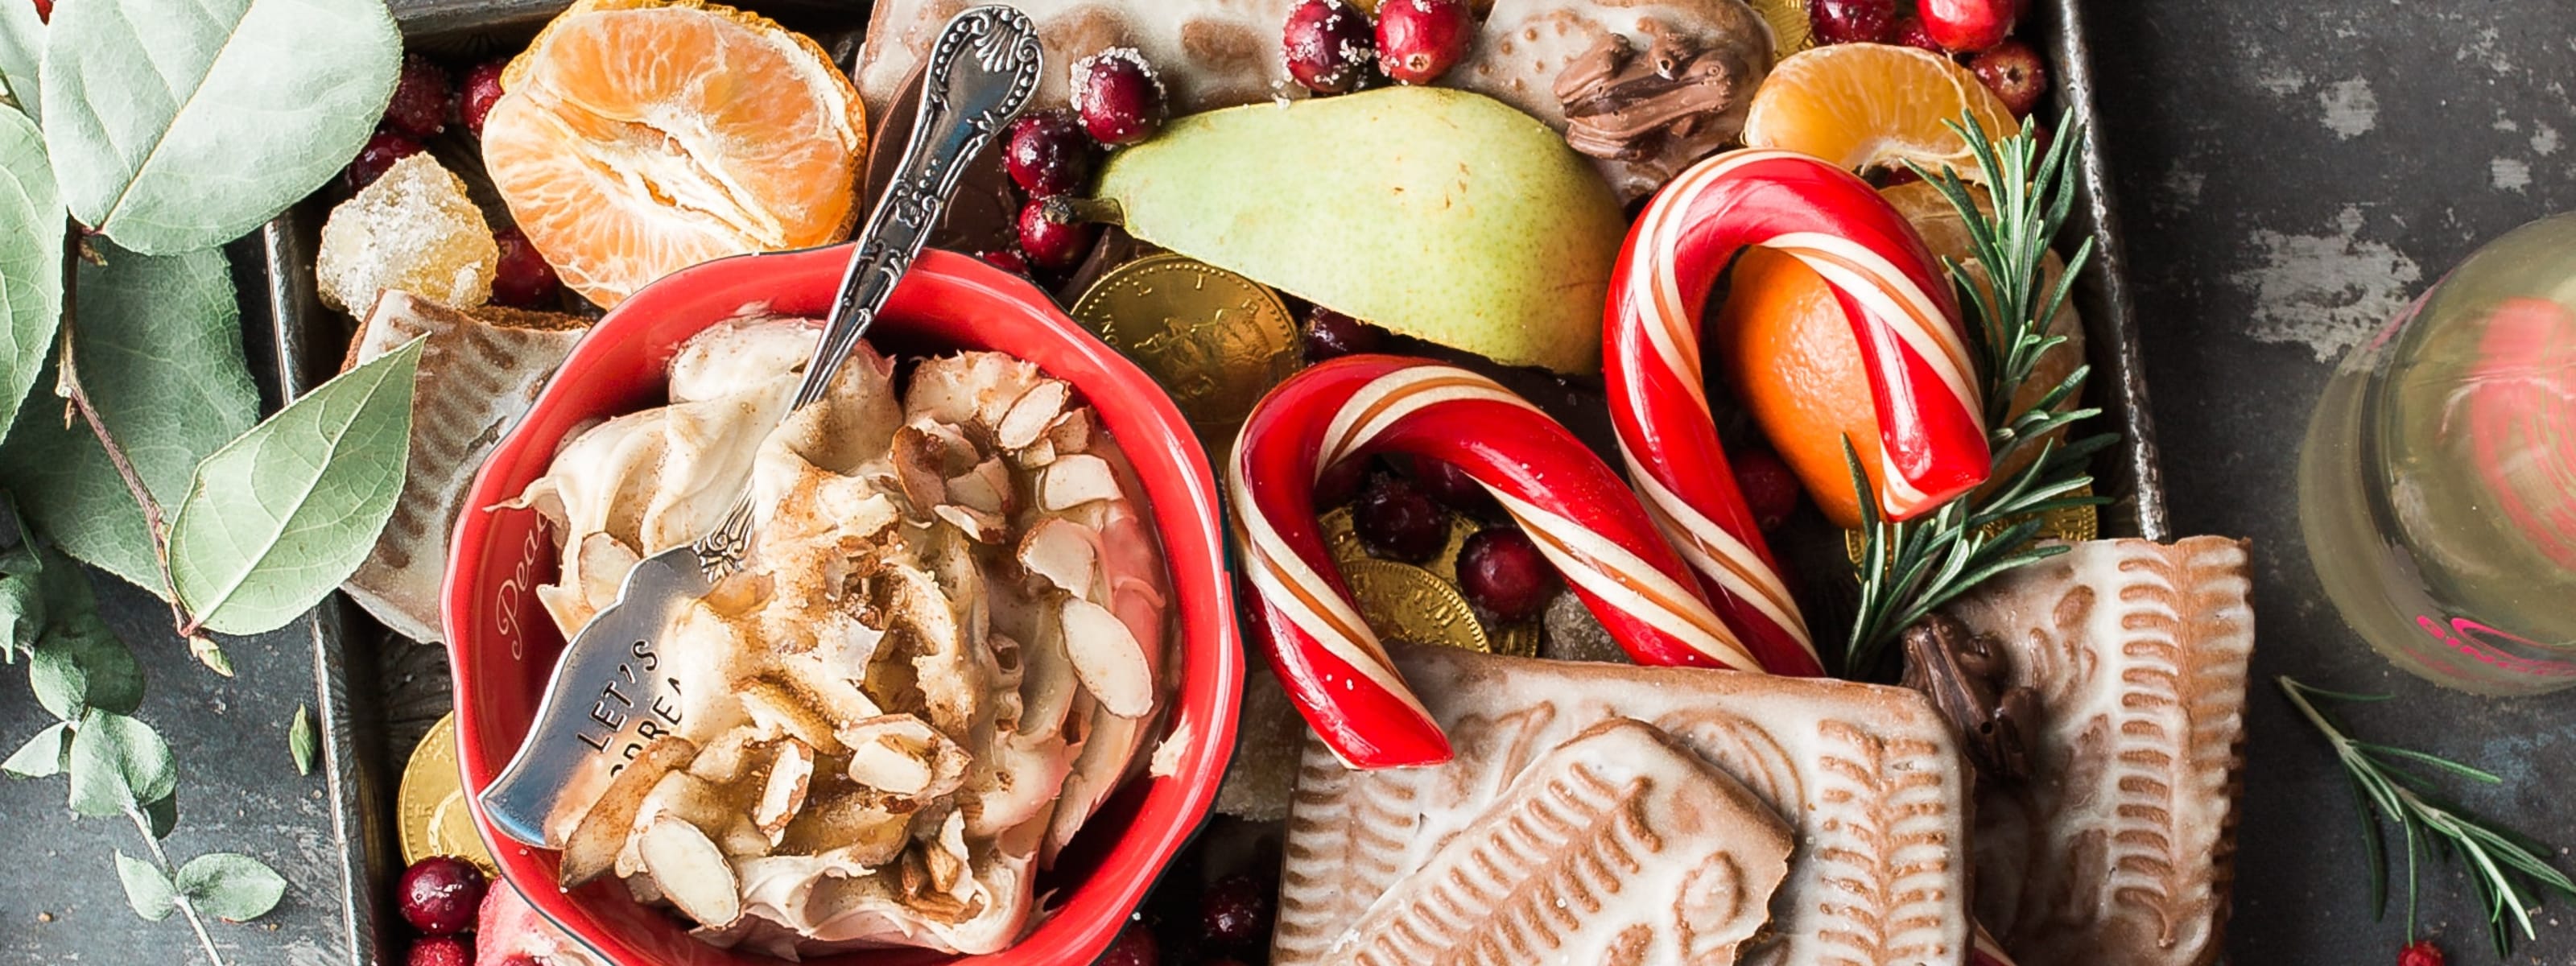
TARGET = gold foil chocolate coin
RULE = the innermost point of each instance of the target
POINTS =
(1214, 339)
(1406, 603)
(430, 812)
(1790, 30)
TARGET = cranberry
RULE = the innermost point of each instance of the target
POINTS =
(381, 151)
(1451, 485)
(1419, 40)
(1332, 335)
(439, 895)
(1909, 31)
(1968, 26)
(482, 90)
(421, 98)
(1235, 912)
(1852, 21)
(1133, 947)
(1329, 44)
(1120, 99)
(1395, 519)
(1339, 483)
(440, 951)
(1049, 153)
(1770, 490)
(1053, 245)
(2421, 953)
(523, 279)
(1006, 259)
(1501, 570)
(2014, 72)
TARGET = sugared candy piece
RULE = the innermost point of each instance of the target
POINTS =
(414, 230)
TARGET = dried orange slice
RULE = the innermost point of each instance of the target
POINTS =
(1874, 105)
(635, 138)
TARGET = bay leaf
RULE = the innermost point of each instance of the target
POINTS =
(231, 886)
(279, 517)
(178, 125)
(146, 889)
(22, 53)
(160, 349)
(31, 268)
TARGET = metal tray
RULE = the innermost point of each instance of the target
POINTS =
(381, 692)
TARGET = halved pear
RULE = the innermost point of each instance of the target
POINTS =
(1434, 212)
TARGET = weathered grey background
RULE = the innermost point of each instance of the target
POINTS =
(2290, 174)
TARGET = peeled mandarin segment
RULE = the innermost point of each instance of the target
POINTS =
(413, 230)
(636, 138)
(1865, 106)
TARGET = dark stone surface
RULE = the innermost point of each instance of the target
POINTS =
(2290, 176)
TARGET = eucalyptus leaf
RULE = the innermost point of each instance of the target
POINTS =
(42, 756)
(282, 515)
(80, 664)
(179, 125)
(146, 889)
(299, 740)
(163, 813)
(22, 611)
(31, 264)
(231, 886)
(22, 52)
(118, 763)
(160, 350)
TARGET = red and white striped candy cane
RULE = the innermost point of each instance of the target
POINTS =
(1986, 951)
(1922, 380)
(1571, 504)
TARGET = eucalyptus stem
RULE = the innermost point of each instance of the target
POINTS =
(205, 940)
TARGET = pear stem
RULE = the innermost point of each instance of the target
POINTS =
(1066, 210)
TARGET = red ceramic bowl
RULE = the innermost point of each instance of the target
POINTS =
(504, 645)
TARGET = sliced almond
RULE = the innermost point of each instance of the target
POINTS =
(723, 759)
(987, 487)
(977, 525)
(943, 389)
(591, 850)
(917, 460)
(956, 449)
(791, 774)
(1048, 685)
(773, 705)
(689, 798)
(1029, 418)
(1061, 552)
(903, 755)
(1108, 659)
(1071, 433)
(1035, 454)
(690, 871)
(853, 825)
(1072, 481)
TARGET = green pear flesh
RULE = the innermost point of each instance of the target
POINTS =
(1436, 213)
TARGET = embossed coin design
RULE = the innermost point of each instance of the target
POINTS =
(1406, 603)
(430, 811)
(1215, 339)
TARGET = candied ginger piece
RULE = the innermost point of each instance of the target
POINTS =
(413, 230)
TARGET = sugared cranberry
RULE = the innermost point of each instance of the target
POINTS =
(381, 151)
(1500, 570)
(1133, 947)
(482, 90)
(1396, 520)
(1770, 490)
(1053, 245)
(2421, 953)
(439, 951)
(421, 97)
(1049, 153)
(1006, 259)
(1118, 96)
(1909, 31)
(1451, 485)
(1419, 40)
(523, 279)
(2014, 72)
(1330, 45)
(1234, 912)
(439, 895)
(1968, 26)
(1340, 482)
(1332, 335)
(1851, 21)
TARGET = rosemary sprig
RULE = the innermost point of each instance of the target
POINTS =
(1909, 568)
(2509, 869)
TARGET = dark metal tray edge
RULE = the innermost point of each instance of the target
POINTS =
(363, 746)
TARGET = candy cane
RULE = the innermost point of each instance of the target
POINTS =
(1582, 518)
(1931, 429)
(1985, 951)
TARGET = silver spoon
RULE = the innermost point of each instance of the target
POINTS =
(604, 700)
